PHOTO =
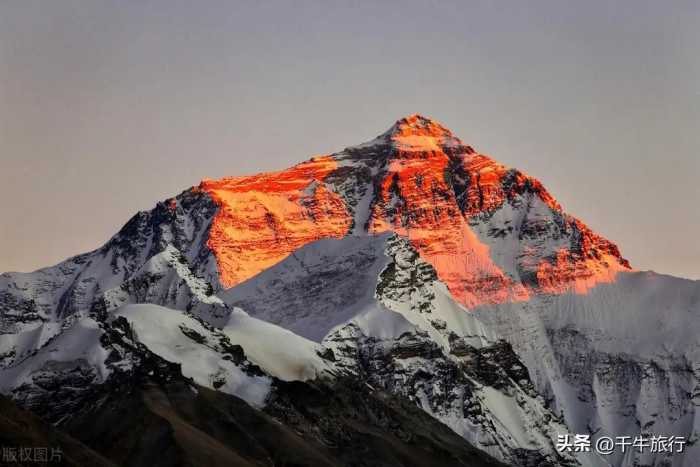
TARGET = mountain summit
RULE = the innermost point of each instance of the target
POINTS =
(406, 281)
(418, 180)
(417, 126)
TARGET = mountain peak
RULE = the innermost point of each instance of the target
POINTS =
(455, 206)
(418, 125)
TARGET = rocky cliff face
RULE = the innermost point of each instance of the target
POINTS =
(411, 263)
(619, 360)
(492, 234)
(264, 218)
(415, 343)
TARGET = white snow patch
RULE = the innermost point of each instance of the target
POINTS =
(278, 351)
(382, 323)
(160, 329)
(79, 343)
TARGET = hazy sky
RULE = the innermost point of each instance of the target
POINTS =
(108, 107)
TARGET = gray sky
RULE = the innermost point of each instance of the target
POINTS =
(107, 107)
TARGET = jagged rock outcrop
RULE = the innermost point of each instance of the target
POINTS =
(441, 358)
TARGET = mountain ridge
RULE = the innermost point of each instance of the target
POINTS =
(410, 263)
(292, 207)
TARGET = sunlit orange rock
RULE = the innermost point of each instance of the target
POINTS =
(490, 184)
(263, 218)
(426, 185)
(416, 201)
(596, 261)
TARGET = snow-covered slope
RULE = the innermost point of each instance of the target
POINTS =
(385, 318)
(319, 286)
(621, 359)
(283, 354)
(415, 340)
(205, 354)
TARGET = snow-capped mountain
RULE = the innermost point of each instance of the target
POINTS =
(410, 263)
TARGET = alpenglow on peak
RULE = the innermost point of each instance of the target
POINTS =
(458, 208)
(418, 125)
